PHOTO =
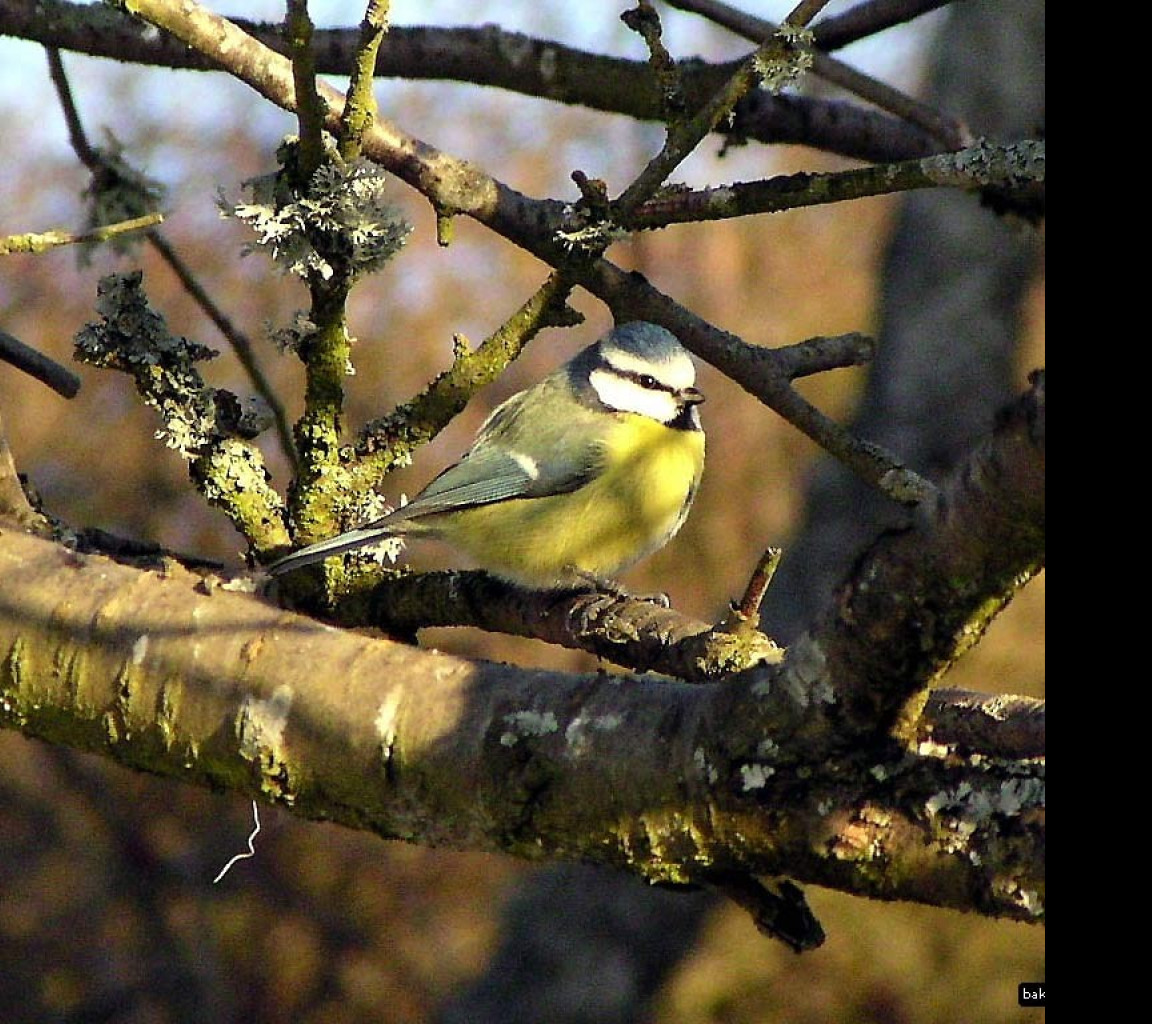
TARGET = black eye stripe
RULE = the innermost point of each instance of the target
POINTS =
(645, 380)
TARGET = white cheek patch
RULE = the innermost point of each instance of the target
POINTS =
(626, 395)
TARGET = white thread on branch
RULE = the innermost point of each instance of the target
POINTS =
(251, 849)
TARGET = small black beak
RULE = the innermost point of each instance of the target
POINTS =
(690, 396)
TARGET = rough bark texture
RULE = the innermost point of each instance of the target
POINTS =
(681, 784)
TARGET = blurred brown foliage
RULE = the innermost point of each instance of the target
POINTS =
(107, 911)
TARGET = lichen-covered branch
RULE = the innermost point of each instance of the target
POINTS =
(360, 110)
(640, 634)
(1018, 167)
(919, 598)
(971, 722)
(779, 59)
(208, 427)
(42, 241)
(220, 689)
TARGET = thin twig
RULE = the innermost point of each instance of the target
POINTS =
(14, 502)
(683, 137)
(867, 19)
(1017, 168)
(644, 20)
(360, 106)
(236, 338)
(41, 241)
(761, 579)
(864, 86)
(76, 134)
(393, 437)
(36, 364)
(94, 160)
(804, 12)
(309, 107)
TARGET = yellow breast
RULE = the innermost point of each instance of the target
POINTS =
(632, 508)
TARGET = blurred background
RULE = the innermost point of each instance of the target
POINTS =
(107, 907)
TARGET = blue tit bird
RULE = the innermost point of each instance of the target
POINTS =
(571, 480)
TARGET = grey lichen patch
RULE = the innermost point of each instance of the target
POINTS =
(140, 649)
(260, 727)
(959, 813)
(904, 486)
(514, 47)
(805, 675)
(577, 733)
(592, 237)
(1017, 795)
(999, 707)
(1029, 900)
(525, 724)
(134, 339)
(703, 767)
(548, 64)
(721, 201)
(979, 161)
(755, 776)
(344, 224)
(963, 801)
(976, 807)
(794, 59)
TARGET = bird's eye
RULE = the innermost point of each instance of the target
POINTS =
(648, 381)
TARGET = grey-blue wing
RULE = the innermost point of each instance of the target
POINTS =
(507, 460)
(488, 476)
(503, 464)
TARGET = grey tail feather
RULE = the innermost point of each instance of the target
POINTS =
(327, 548)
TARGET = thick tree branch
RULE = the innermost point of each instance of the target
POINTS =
(970, 722)
(219, 689)
(920, 597)
(639, 634)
